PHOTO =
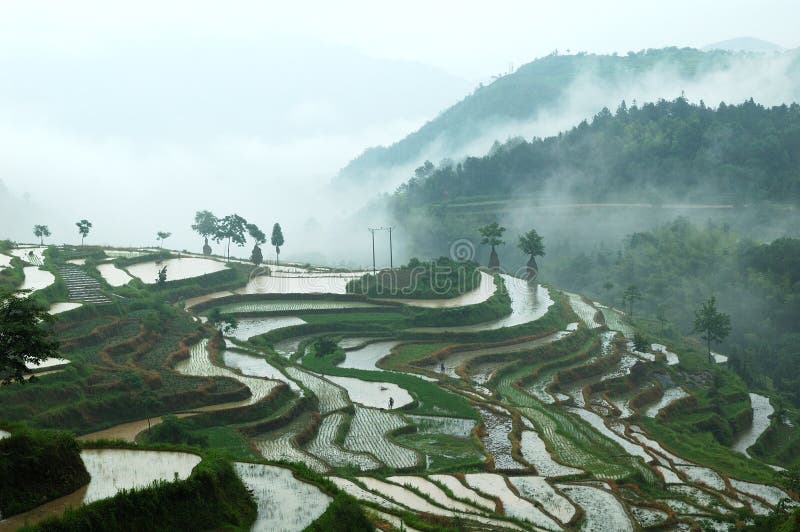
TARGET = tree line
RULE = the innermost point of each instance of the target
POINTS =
(231, 228)
(743, 152)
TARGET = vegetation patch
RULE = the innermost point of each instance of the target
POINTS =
(37, 466)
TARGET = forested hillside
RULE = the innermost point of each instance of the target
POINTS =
(738, 153)
(552, 84)
(679, 265)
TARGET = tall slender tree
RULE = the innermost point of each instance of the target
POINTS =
(631, 296)
(712, 325)
(277, 241)
(205, 224)
(231, 228)
(163, 235)
(41, 231)
(531, 243)
(492, 234)
(256, 257)
(84, 226)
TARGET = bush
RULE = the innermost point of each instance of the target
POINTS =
(37, 466)
(175, 430)
(343, 514)
(212, 497)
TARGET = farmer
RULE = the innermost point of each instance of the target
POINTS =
(441, 366)
(391, 403)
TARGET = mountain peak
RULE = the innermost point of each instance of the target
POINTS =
(745, 44)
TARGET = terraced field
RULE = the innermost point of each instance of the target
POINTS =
(555, 429)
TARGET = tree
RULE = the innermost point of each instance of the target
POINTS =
(225, 323)
(84, 226)
(24, 338)
(231, 228)
(163, 235)
(631, 295)
(277, 241)
(161, 280)
(640, 342)
(492, 234)
(531, 243)
(41, 231)
(712, 325)
(205, 224)
(256, 257)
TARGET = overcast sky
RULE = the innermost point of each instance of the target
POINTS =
(468, 38)
(137, 114)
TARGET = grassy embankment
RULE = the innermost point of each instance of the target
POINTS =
(38, 466)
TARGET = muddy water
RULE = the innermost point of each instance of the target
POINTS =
(113, 275)
(484, 291)
(111, 471)
(126, 431)
(192, 301)
(528, 303)
(183, 268)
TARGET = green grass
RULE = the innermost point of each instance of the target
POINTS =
(444, 452)
(569, 439)
(701, 447)
(229, 441)
(403, 354)
(430, 398)
(385, 318)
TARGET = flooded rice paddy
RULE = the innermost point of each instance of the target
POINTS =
(762, 411)
(529, 302)
(253, 366)
(64, 306)
(36, 279)
(111, 471)
(367, 357)
(199, 364)
(249, 327)
(486, 288)
(374, 394)
(113, 275)
(179, 268)
(307, 283)
(285, 504)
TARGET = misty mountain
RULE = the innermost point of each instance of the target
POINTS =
(745, 44)
(556, 92)
(741, 153)
(630, 168)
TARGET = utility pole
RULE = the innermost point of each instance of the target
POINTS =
(391, 264)
(372, 231)
(391, 259)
